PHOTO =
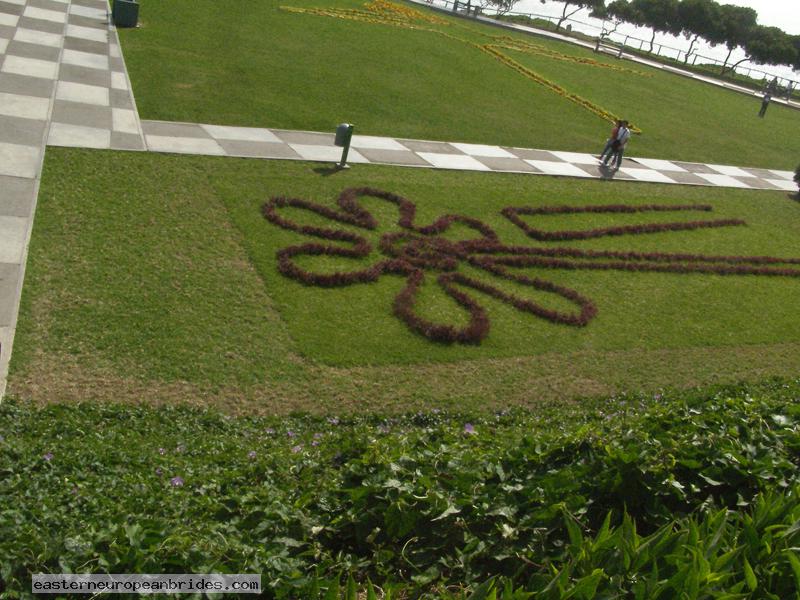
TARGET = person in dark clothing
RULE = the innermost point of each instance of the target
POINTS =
(765, 104)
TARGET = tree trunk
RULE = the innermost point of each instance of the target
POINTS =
(725, 64)
(652, 41)
(565, 16)
(689, 51)
(733, 66)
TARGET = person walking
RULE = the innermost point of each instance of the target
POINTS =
(765, 103)
(618, 145)
(610, 140)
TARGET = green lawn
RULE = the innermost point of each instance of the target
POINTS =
(256, 64)
(167, 288)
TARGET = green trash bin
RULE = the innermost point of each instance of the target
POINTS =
(125, 13)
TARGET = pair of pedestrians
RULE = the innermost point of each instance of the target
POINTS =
(615, 145)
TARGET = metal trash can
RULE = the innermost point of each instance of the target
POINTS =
(125, 13)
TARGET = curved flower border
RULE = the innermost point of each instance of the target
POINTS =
(414, 250)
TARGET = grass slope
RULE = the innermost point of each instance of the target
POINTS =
(254, 64)
(169, 284)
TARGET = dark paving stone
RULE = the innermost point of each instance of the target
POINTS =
(41, 25)
(38, 51)
(121, 99)
(49, 5)
(505, 164)
(12, 83)
(761, 173)
(11, 9)
(28, 132)
(533, 154)
(392, 157)
(126, 141)
(688, 178)
(91, 3)
(185, 130)
(9, 279)
(752, 182)
(81, 45)
(436, 147)
(257, 149)
(92, 22)
(85, 115)
(303, 137)
(16, 198)
(115, 63)
(84, 75)
(695, 167)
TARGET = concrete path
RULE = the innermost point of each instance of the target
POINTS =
(63, 82)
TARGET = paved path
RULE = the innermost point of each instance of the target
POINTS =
(63, 82)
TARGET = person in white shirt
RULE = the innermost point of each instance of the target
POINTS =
(618, 147)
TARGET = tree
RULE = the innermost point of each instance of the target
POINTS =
(500, 7)
(736, 23)
(659, 15)
(699, 19)
(597, 7)
(769, 46)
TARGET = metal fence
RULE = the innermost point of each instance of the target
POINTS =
(627, 42)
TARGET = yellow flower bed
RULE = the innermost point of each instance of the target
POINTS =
(383, 12)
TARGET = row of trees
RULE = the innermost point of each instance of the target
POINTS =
(733, 26)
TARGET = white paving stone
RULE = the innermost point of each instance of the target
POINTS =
(483, 150)
(13, 232)
(723, 180)
(576, 158)
(8, 20)
(783, 174)
(45, 15)
(87, 11)
(6, 336)
(31, 67)
(371, 142)
(558, 168)
(80, 92)
(646, 175)
(243, 134)
(85, 59)
(326, 153)
(789, 186)
(124, 120)
(731, 171)
(87, 33)
(660, 165)
(75, 136)
(18, 2)
(42, 38)
(113, 50)
(119, 81)
(453, 161)
(163, 143)
(26, 107)
(19, 161)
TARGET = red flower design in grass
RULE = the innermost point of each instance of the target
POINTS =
(414, 251)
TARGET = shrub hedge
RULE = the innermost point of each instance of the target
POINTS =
(692, 494)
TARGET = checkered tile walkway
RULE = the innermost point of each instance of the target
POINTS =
(63, 82)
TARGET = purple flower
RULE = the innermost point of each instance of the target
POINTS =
(469, 429)
(317, 436)
(48, 457)
(176, 481)
(159, 472)
(315, 443)
(333, 420)
(290, 433)
(251, 455)
(74, 490)
(162, 451)
(2, 439)
(296, 449)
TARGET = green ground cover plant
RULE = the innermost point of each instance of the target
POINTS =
(202, 61)
(171, 283)
(691, 494)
